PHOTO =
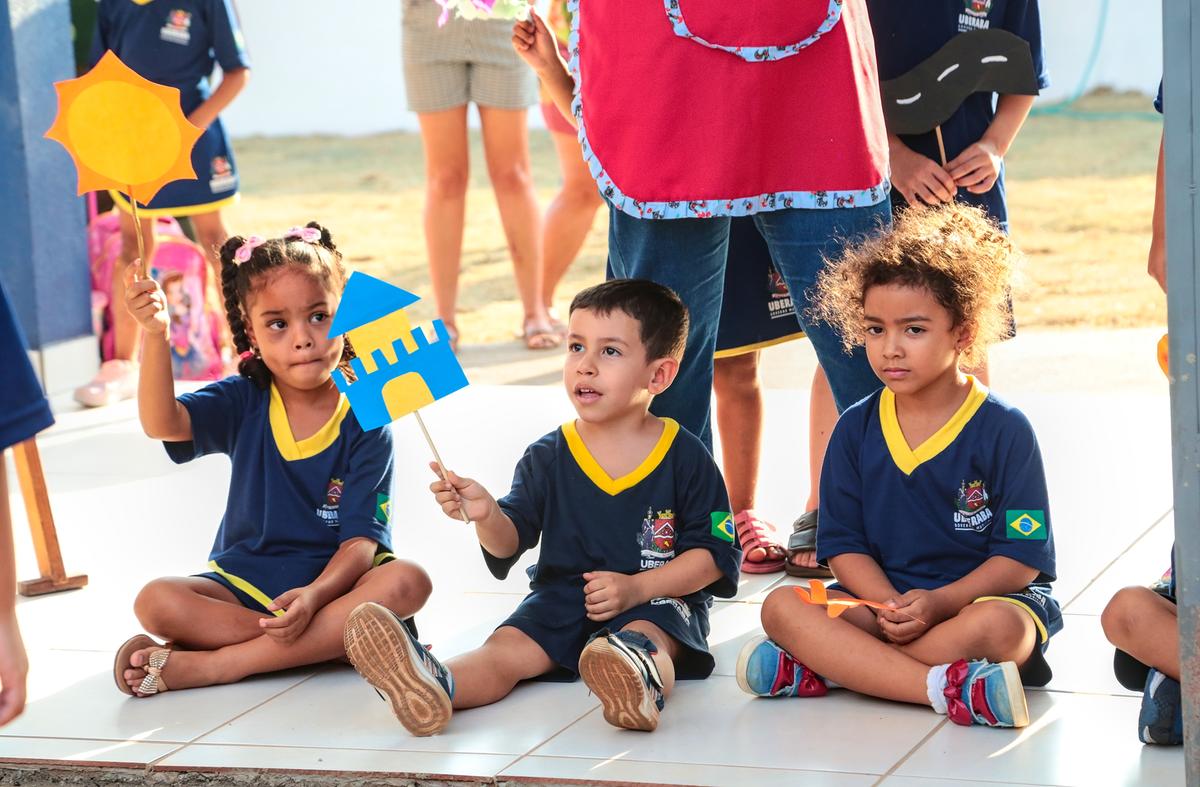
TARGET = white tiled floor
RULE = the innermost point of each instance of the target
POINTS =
(126, 515)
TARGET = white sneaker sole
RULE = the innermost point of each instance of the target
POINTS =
(614, 678)
(1016, 694)
(743, 661)
(383, 654)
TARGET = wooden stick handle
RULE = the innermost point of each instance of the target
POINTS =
(143, 264)
(941, 145)
(438, 457)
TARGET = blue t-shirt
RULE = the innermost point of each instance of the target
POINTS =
(930, 516)
(175, 44)
(291, 503)
(24, 410)
(908, 33)
(586, 521)
(1158, 100)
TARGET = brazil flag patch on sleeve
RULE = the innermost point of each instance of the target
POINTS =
(1026, 525)
(722, 525)
(383, 509)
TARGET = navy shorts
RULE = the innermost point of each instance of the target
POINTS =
(24, 410)
(1046, 614)
(554, 618)
(757, 310)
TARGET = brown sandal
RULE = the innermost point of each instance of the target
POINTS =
(804, 539)
(152, 683)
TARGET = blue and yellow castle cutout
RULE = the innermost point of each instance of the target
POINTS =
(398, 370)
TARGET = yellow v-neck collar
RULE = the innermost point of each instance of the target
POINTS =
(292, 449)
(908, 459)
(592, 469)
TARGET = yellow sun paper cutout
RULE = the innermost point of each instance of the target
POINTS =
(124, 132)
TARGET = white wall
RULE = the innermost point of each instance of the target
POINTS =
(324, 71)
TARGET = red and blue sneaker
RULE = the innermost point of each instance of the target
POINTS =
(766, 670)
(979, 692)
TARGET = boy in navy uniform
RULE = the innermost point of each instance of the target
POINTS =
(635, 530)
(979, 134)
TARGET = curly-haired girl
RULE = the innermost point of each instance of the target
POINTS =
(305, 536)
(933, 496)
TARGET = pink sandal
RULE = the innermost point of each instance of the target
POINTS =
(754, 533)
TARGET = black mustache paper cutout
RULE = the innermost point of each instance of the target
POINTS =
(995, 61)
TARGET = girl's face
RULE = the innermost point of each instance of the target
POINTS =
(911, 339)
(289, 312)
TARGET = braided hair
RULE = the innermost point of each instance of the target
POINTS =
(238, 279)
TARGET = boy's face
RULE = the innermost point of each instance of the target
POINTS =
(607, 373)
(288, 317)
(911, 339)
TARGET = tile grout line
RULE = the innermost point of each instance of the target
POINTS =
(891, 771)
(150, 766)
(1111, 563)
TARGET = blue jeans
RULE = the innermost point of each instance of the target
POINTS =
(688, 255)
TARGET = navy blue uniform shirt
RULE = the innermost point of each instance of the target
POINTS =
(907, 32)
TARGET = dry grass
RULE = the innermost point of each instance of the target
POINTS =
(1080, 195)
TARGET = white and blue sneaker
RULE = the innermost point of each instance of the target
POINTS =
(980, 692)
(1161, 718)
(417, 685)
(620, 671)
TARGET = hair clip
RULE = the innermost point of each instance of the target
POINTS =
(306, 234)
(247, 248)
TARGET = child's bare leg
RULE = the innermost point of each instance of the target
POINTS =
(195, 612)
(491, 671)
(843, 650)
(993, 630)
(668, 651)
(1146, 626)
(400, 586)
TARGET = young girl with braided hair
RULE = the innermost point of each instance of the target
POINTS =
(305, 536)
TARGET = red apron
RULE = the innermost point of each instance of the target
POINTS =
(694, 108)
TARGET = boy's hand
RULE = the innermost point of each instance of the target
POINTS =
(977, 167)
(536, 45)
(919, 179)
(456, 494)
(898, 624)
(14, 666)
(145, 301)
(608, 594)
(288, 627)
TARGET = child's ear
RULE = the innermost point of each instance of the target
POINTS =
(664, 372)
(965, 336)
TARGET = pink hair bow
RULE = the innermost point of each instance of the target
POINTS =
(246, 249)
(306, 234)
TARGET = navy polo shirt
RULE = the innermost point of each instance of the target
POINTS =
(291, 502)
(586, 521)
(931, 515)
(172, 43)
(907, 32)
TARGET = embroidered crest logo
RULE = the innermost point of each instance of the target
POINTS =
(779, 303)
(977, 7)
(657, 538)
(223, 177)
(971, 511)
(328, 511)
(974, 15)
(178, 29)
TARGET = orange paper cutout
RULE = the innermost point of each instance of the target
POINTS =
(123, 131)
(1164, 355)
(835, 607)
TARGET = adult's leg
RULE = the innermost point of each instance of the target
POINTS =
(400, 585)
(490, 672)
(569, 216)
(739, 422)
(506, 147)
(687, 255)
(444, 138)
(800, 241)
(1146, 626)
(822, 417)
